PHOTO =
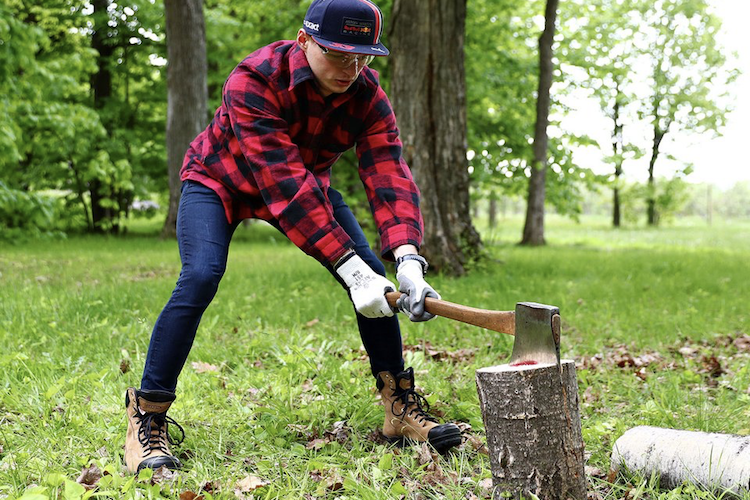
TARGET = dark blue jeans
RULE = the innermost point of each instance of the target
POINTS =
(203, 235)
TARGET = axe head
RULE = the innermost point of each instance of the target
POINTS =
(537, 334)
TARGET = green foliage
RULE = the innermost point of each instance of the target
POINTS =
(502, 73)
(671, 195)
(671, 198)
(614, 47)
(686, 63)
(235, 29)
(25, 215)
(709, 202)
(598, 53)
(19, 44)
(52, 131)
(133, 110)
(105, 154)
(733, 203)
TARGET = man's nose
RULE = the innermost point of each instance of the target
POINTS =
(353, 68)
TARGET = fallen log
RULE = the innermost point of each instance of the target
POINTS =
(711, 461)
(533, 428)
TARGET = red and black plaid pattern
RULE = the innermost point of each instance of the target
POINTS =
(269, 149)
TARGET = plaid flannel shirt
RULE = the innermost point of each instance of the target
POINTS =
(270, 147)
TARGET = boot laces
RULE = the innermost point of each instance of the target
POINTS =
(414, 404)
(153, 433)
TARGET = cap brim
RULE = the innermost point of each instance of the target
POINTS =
(370, 50)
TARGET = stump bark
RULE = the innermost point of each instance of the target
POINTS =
(715, 462)
(533, 430)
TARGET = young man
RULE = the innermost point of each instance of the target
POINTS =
(289, 111)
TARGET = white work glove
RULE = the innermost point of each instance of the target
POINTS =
(366, 287)
(410, 275)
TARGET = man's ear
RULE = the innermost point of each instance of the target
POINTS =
(302, 40)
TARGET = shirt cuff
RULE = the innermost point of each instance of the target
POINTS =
(395, 236)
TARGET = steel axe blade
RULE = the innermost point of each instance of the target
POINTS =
(537, 334)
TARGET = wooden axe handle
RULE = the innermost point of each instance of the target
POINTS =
(497, 321)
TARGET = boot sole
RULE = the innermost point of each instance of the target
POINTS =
(170, 462)
(441, 442)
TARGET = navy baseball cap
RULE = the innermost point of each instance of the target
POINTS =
(346, 26)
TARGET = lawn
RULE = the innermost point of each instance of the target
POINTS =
(276, 398)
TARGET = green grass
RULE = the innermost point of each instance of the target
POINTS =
(648, 314)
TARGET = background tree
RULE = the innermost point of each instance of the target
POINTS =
(678, 41)
(99, 148)
(501, 81)
(187, 91)
(600, 45)
(429, 97)
(50, 125)
(733, 203)
(124, 37)
(235, 29)
(21, 42)
(533, 231)
(502, 66)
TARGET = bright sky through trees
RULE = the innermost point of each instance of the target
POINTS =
(726, 160)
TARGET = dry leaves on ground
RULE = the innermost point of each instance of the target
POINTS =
(458, 356)
(427, 457)
(711, 356)
(244, 487)
(331, 479)
(477, 443)
(742, 343)
(189, 495)
(619, 356)
(210, 487)
(203, 367)
(485, 487)
(163, 474)
(339, 433)
(90, 477)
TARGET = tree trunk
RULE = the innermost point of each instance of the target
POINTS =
(718, 462)
(101, 84)
(652, 214)
(187, 91)
(616, 216)
(80, 191)
(617, 149)
(533, 427)
(493, 210)
(429, 97)
(533, 231)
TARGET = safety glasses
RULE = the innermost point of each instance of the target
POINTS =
(344, 60)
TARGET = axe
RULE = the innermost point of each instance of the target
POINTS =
(535, 326)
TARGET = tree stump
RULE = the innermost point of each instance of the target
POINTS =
(715, 462)
(533, 430)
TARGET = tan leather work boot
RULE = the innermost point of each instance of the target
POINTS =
(147, 441)
(406, 416)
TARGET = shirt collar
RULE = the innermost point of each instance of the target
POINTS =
(299, 69)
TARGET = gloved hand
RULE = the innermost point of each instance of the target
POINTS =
(410, 275)
(366, 287)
